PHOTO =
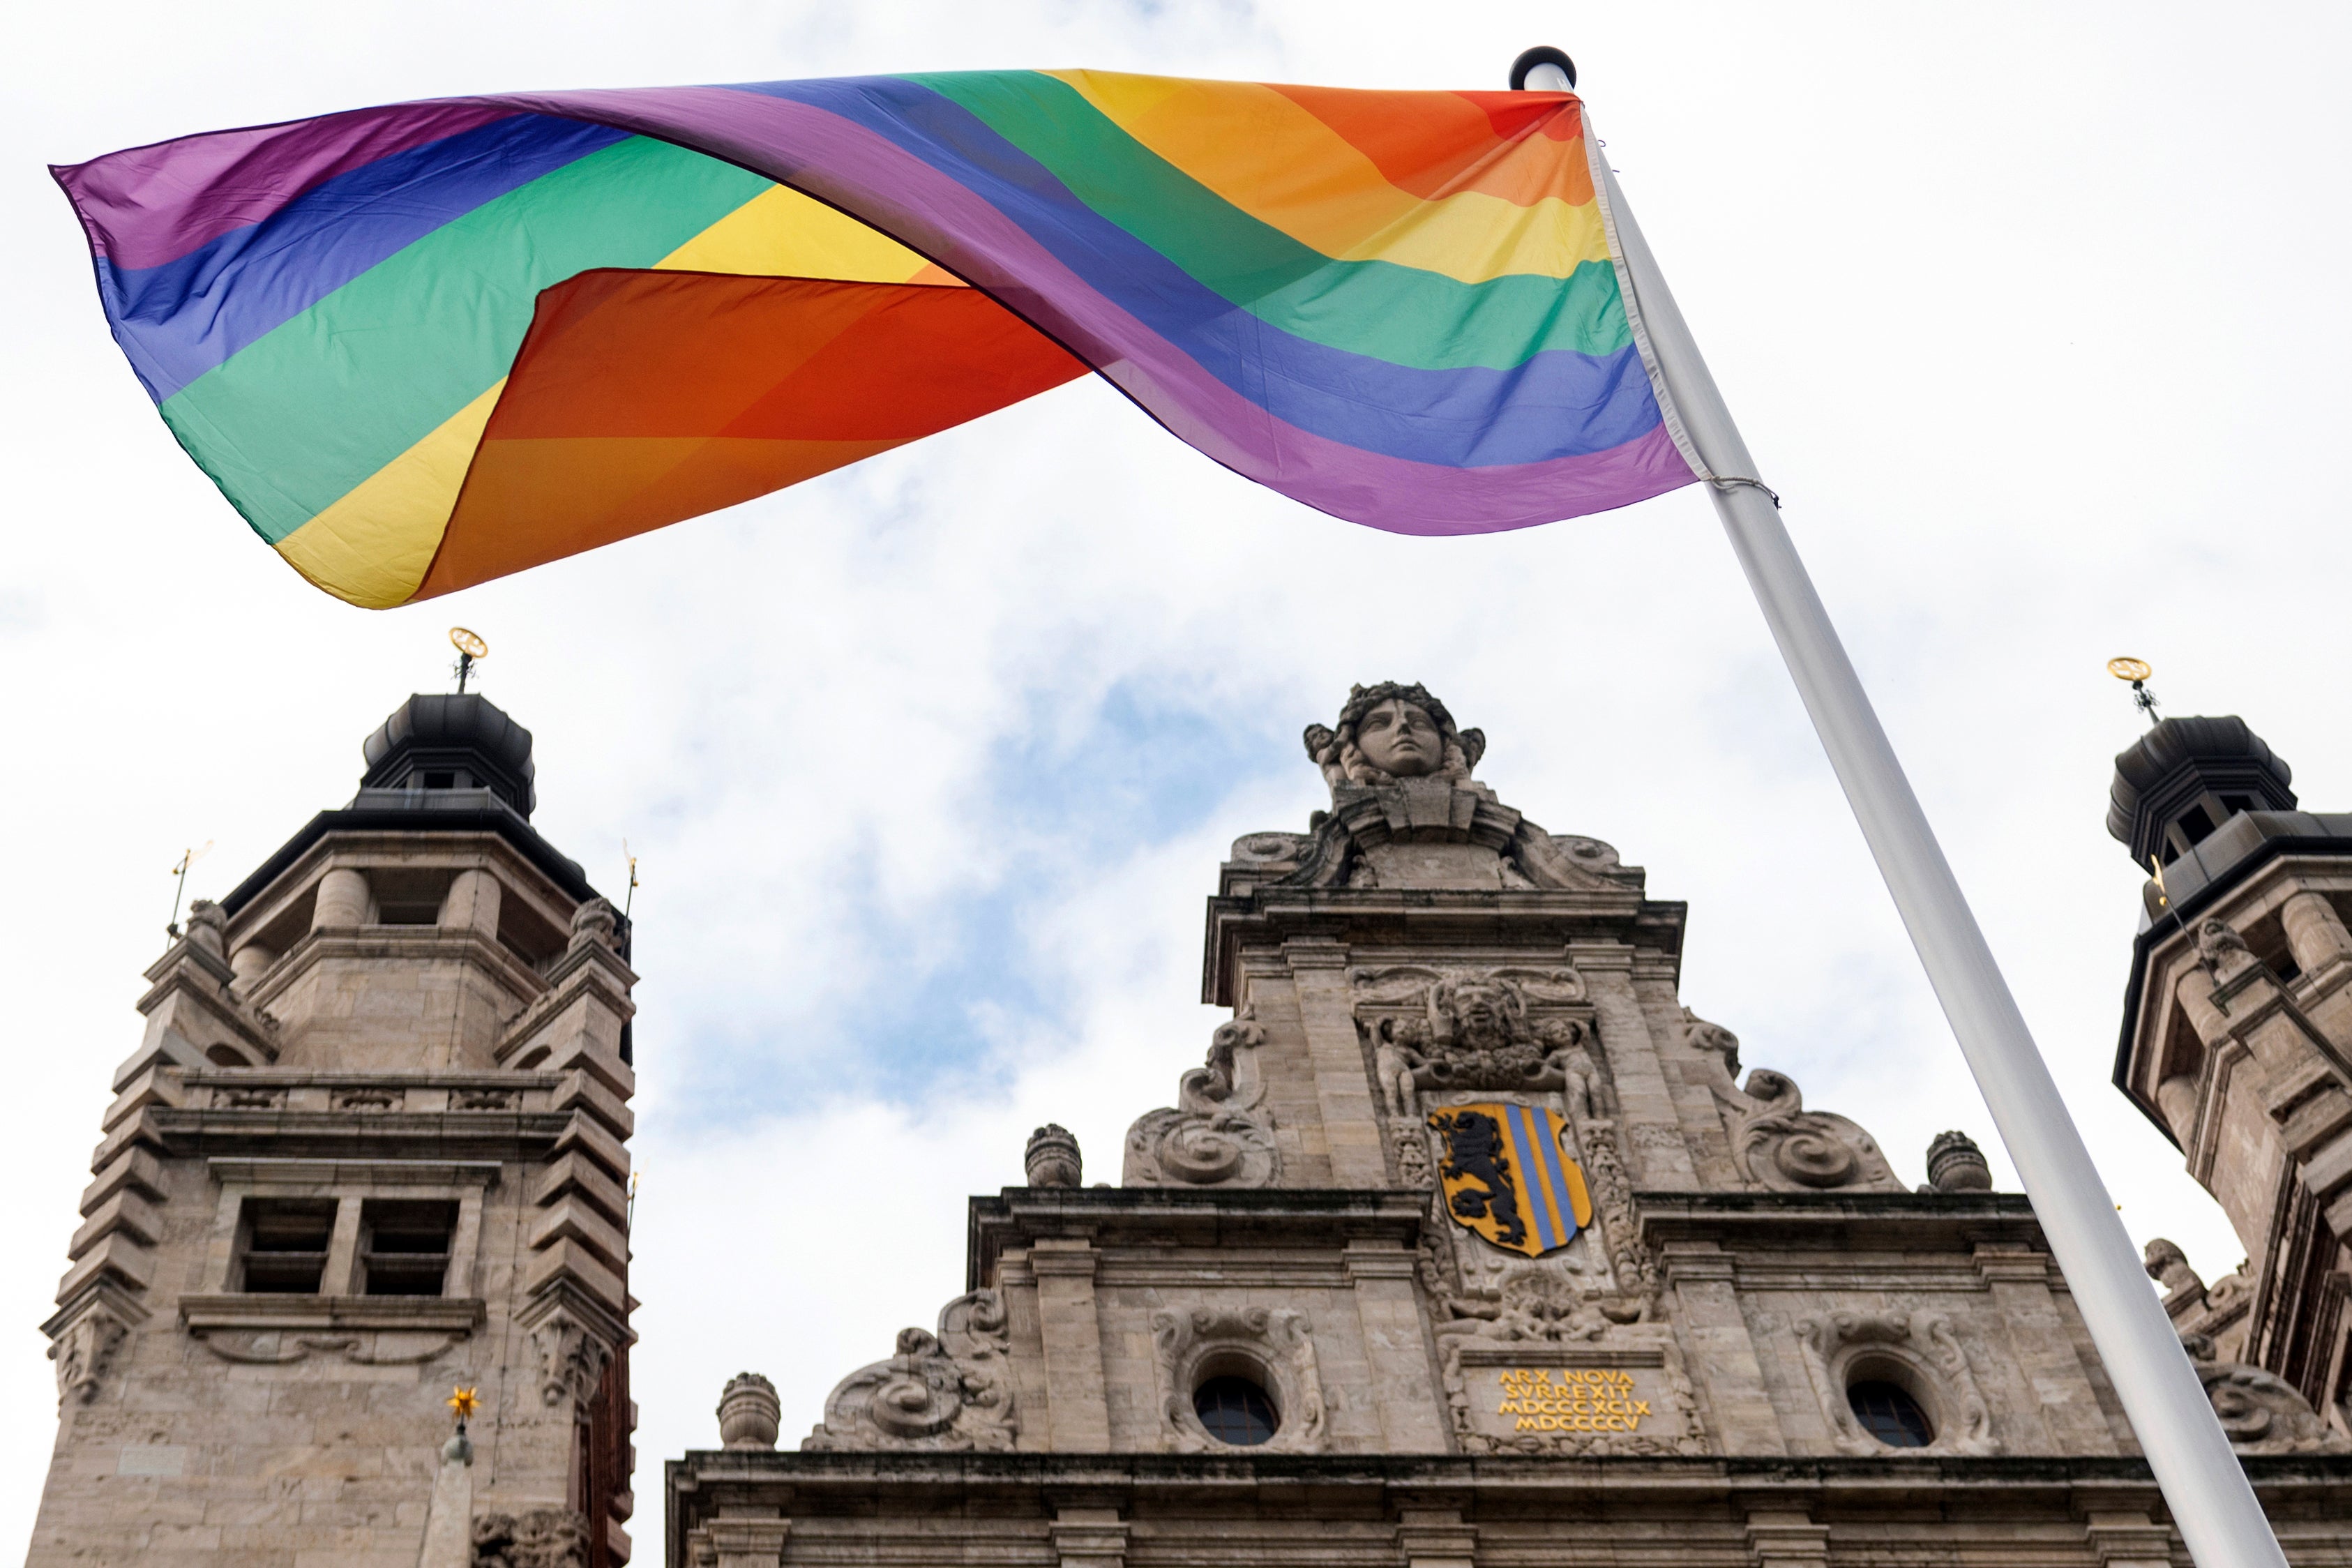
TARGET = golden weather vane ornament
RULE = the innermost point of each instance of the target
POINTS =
(179, 888)
(470, 647)
(2136, 671)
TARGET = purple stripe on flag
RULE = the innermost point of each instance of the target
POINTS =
(882, 184)
(137, 205)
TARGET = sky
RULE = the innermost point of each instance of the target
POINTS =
(2031, 313)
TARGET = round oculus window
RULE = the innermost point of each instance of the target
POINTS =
(1888, 1412)
(1236, 1411)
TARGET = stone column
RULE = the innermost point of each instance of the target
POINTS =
(472, 904)
(343, 899)
(1326, 1009)
(340, 1277)
(1078, 1411)
(2315, 931)
(1722, 1351)
(1409, 1403)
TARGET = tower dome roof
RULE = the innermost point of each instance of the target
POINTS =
(2187, 776)
(443, 741)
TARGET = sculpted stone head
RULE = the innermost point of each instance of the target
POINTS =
(1482, 1014)
(1387, 733)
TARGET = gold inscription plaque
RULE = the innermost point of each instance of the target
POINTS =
(1570, 1399)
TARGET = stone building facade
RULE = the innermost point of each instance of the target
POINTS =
(1468, 1244)
(371, 1148)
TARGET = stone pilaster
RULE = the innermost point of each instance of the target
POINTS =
(1646, 1104)
(1720, 1349)
(1396, 1348)
(1352, 1128)
(2038, 1336)
(1078, 1411)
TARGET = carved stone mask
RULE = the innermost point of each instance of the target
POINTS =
(1400, 737)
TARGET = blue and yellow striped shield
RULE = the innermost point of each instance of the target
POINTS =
(1506, 1176)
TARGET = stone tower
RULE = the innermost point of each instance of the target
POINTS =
(1469, 1245)
(372, 1148)
(2237, 1042)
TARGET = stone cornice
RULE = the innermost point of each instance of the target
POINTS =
(1270, 916)
(378, 943)
(706, 1480)
(265, 1170)
(1160, 1219)
(458, 1135)
(266, 1314)
(1845, 1222)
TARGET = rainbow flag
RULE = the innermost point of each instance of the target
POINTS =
(422, 346)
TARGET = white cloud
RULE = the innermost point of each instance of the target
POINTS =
(931, 763)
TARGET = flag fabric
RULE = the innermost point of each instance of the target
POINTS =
(422, 346)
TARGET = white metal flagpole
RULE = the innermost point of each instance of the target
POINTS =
(2211, 1502)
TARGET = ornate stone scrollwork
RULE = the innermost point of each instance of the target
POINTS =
(951, 1390)
(1275, 1344)
(543, 1538)
(1917, 1351)
(1540, 1303)
(2261, 1412)
(1219, 1133)
(1777, 1142)
(1790, 1149)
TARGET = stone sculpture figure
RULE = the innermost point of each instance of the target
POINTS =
(1472, 1031)
(1398, 768)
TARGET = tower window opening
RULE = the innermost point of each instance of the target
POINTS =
(1888, 1412)
(405, 1246)
(1236, 1411)
(286, 1244)
(440, 781)
(2237, 803)
(2195, 824)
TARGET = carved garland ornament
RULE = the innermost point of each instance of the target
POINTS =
(951, 1390)
(1277, 1343)
(1218, 1134)
(1920, 1350)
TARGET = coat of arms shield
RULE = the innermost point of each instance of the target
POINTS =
(1506, 1176)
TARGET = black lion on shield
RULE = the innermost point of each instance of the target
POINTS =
(1473, 1153)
